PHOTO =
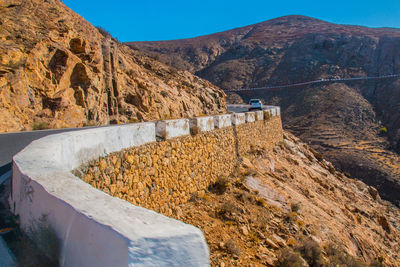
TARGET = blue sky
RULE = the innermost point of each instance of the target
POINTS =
(150, 20)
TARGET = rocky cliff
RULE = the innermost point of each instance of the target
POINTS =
(354, 124)
(57, 70)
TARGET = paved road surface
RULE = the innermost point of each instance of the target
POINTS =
(12, 143)
(243, 108)
(324, 81)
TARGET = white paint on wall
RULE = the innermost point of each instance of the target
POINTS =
(222, 121)
(250, 116)
(202, 124)
(238, 118)
(96, 229)
(168, 129)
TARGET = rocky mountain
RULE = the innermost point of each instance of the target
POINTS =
(355, 124)
(57, 70)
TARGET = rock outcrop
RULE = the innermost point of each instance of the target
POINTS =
(57, 70)
(354, 124)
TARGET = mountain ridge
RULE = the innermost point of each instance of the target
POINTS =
(295, 49)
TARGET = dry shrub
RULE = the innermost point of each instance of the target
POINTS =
(194, 130)
(295, 207)
(291, 217)
(232, 248)
(339, 257)
(40, 125)
(254, 238)
(311, 251)
(228, 208)
(261, 202)
(220, 186)
(289, 258)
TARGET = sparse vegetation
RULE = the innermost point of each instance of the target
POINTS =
(90, 123)
(295, 207)
(40, 125)
(312, 253)
(383, 131)
(103, 31)
(133, 120)
(220, 186)
(106, 34)
(232, 248)
(194, 130)
(338, 257)
(289, 258)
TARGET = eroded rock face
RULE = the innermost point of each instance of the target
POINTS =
(57, 69)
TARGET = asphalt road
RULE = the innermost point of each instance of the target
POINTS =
(12, 143)
(243, 108)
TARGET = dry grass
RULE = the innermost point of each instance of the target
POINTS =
(40, 125)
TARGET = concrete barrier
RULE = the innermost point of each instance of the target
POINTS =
(172, 128)
(259, 115)
(278, 111)
(222, 121)
(250, 116)
(267, 112)
(238, 118)
(202, 124)
(273, 112)
(94, 228)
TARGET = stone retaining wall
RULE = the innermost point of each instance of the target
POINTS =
(157, 165)
(162, 175)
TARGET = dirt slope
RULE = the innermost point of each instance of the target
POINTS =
(290, 207)
(290, 202)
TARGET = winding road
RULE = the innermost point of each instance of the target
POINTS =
(12, 143)
(317, 81)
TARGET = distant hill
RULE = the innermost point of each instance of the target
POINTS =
(58, 70)
(334, 118)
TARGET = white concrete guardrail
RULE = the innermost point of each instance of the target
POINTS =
(94, 228)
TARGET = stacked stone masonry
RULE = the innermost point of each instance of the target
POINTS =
(165, 174)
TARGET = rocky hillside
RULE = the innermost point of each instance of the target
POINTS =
(290, 207)
(333, 118)
(57, 70)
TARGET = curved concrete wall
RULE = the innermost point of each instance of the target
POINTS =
(96, 229)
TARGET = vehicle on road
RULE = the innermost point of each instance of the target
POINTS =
(255, 104)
